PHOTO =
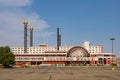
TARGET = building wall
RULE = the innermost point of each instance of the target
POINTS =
(50, 53)
(39, 49)
(42, 49)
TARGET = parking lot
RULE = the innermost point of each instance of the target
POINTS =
(60, 73)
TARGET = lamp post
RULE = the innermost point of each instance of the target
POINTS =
(112, 39)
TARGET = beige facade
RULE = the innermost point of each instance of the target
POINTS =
(77, 54)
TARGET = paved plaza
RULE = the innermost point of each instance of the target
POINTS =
(60, 73)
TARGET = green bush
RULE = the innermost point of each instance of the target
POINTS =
(7, 59)
(99, 64)
(113, 64)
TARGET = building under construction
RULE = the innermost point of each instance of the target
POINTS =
(60, 55)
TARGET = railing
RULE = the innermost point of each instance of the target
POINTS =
(55, 59)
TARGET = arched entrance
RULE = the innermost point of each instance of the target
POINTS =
(77, 52)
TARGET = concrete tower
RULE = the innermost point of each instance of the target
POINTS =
(31, 36)
(25, 35)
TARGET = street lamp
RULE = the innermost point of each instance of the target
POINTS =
(112, 39)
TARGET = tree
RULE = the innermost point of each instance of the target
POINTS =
(7, 58)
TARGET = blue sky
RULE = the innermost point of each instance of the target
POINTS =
(79, 20)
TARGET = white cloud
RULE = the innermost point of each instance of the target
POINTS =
(15, 3)
(11, 24)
